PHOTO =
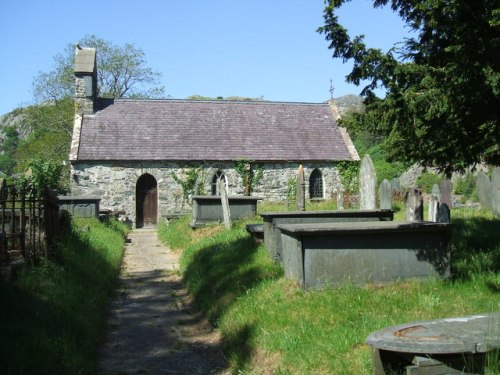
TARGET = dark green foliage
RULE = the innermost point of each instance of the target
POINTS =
(427, 180)
(466, 187)
(443, 82)
(9, 145)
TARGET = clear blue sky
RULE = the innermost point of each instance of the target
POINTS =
(250, 48)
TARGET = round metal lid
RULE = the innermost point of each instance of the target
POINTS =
(469, 334)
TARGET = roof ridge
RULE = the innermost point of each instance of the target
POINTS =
(219, 101)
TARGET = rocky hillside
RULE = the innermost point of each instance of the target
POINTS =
(348, 102)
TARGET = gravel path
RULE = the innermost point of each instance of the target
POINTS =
(152, 326)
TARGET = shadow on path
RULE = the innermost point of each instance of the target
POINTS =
(152, 326)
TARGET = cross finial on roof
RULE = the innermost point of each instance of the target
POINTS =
(332, 89)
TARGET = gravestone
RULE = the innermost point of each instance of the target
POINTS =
(395, 185)
(445, 197)
(495, 190)
(443, 213)
(340, 196)
(385, 195)
(434, 203)
(301, 190)
(226, 213)
(484, 192)
(367, 184)
(414, 205)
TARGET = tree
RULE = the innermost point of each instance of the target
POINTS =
(442, 84)
(9, 145)
(122, 73)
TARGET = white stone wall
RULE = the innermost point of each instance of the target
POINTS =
(115, 183)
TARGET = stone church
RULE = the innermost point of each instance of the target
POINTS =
(135, 154)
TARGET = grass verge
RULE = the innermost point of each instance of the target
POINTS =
(53, 315)
(271, 327)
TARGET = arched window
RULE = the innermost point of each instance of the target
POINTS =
(316, 184)
(219, 175)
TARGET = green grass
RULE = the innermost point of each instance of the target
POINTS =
(53, 315)
(271, 326)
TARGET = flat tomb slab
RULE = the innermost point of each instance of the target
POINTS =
(208, 209)
(332, 254)
(272, 236)
(452, 344)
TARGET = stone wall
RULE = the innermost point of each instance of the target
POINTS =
(115, 183)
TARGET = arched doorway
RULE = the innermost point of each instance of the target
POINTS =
(146, 198)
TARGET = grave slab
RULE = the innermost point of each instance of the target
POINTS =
(326, 255)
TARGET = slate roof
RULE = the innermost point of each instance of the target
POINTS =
(146, 130)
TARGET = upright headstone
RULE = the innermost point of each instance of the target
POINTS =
(340, 196)
(495, 190)
(395, 185)
(385, 195)
(445, 189)
(226, 212)
(414, 205)
(367, 184)
(443, 214)
(434, 203)
(301, 190)
(484, 191)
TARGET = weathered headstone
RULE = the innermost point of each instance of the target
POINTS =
(226, 213)
(495, 190)
(434, 203)
(385, 195)
(484, 192)
(443, 214)
(414, 205)
(367, 184)
(301, 190)
(445, 189)
(395, 185)
(339, 190)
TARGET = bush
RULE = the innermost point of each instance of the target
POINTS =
(427, 180)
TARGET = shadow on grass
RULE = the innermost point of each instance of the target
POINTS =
(475, 246)
(52, 316)
(221, 272)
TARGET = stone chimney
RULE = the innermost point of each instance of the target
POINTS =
(85, 80)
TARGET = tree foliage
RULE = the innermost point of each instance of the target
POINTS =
(122, 72)
(442, 83)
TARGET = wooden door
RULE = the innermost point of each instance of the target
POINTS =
(146, 201)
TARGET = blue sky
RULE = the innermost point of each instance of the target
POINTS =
(251, 48)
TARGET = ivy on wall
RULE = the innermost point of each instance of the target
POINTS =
(250, 173)
(188, 182)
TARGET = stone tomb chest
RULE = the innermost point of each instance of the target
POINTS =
(208, 209)
(332, 254)
(272, 237)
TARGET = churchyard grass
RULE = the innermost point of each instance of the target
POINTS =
(53, 315)
(271, 326)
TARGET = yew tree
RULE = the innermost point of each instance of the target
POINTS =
(442, 83)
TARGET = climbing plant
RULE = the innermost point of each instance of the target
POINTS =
(349, 172)
(188, 182)
(250, 173)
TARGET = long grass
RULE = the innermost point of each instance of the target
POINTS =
(53, 315)
(272, 327)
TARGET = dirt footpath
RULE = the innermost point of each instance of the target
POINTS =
(152, 326)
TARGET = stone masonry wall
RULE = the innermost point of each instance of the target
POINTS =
(115, 183)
